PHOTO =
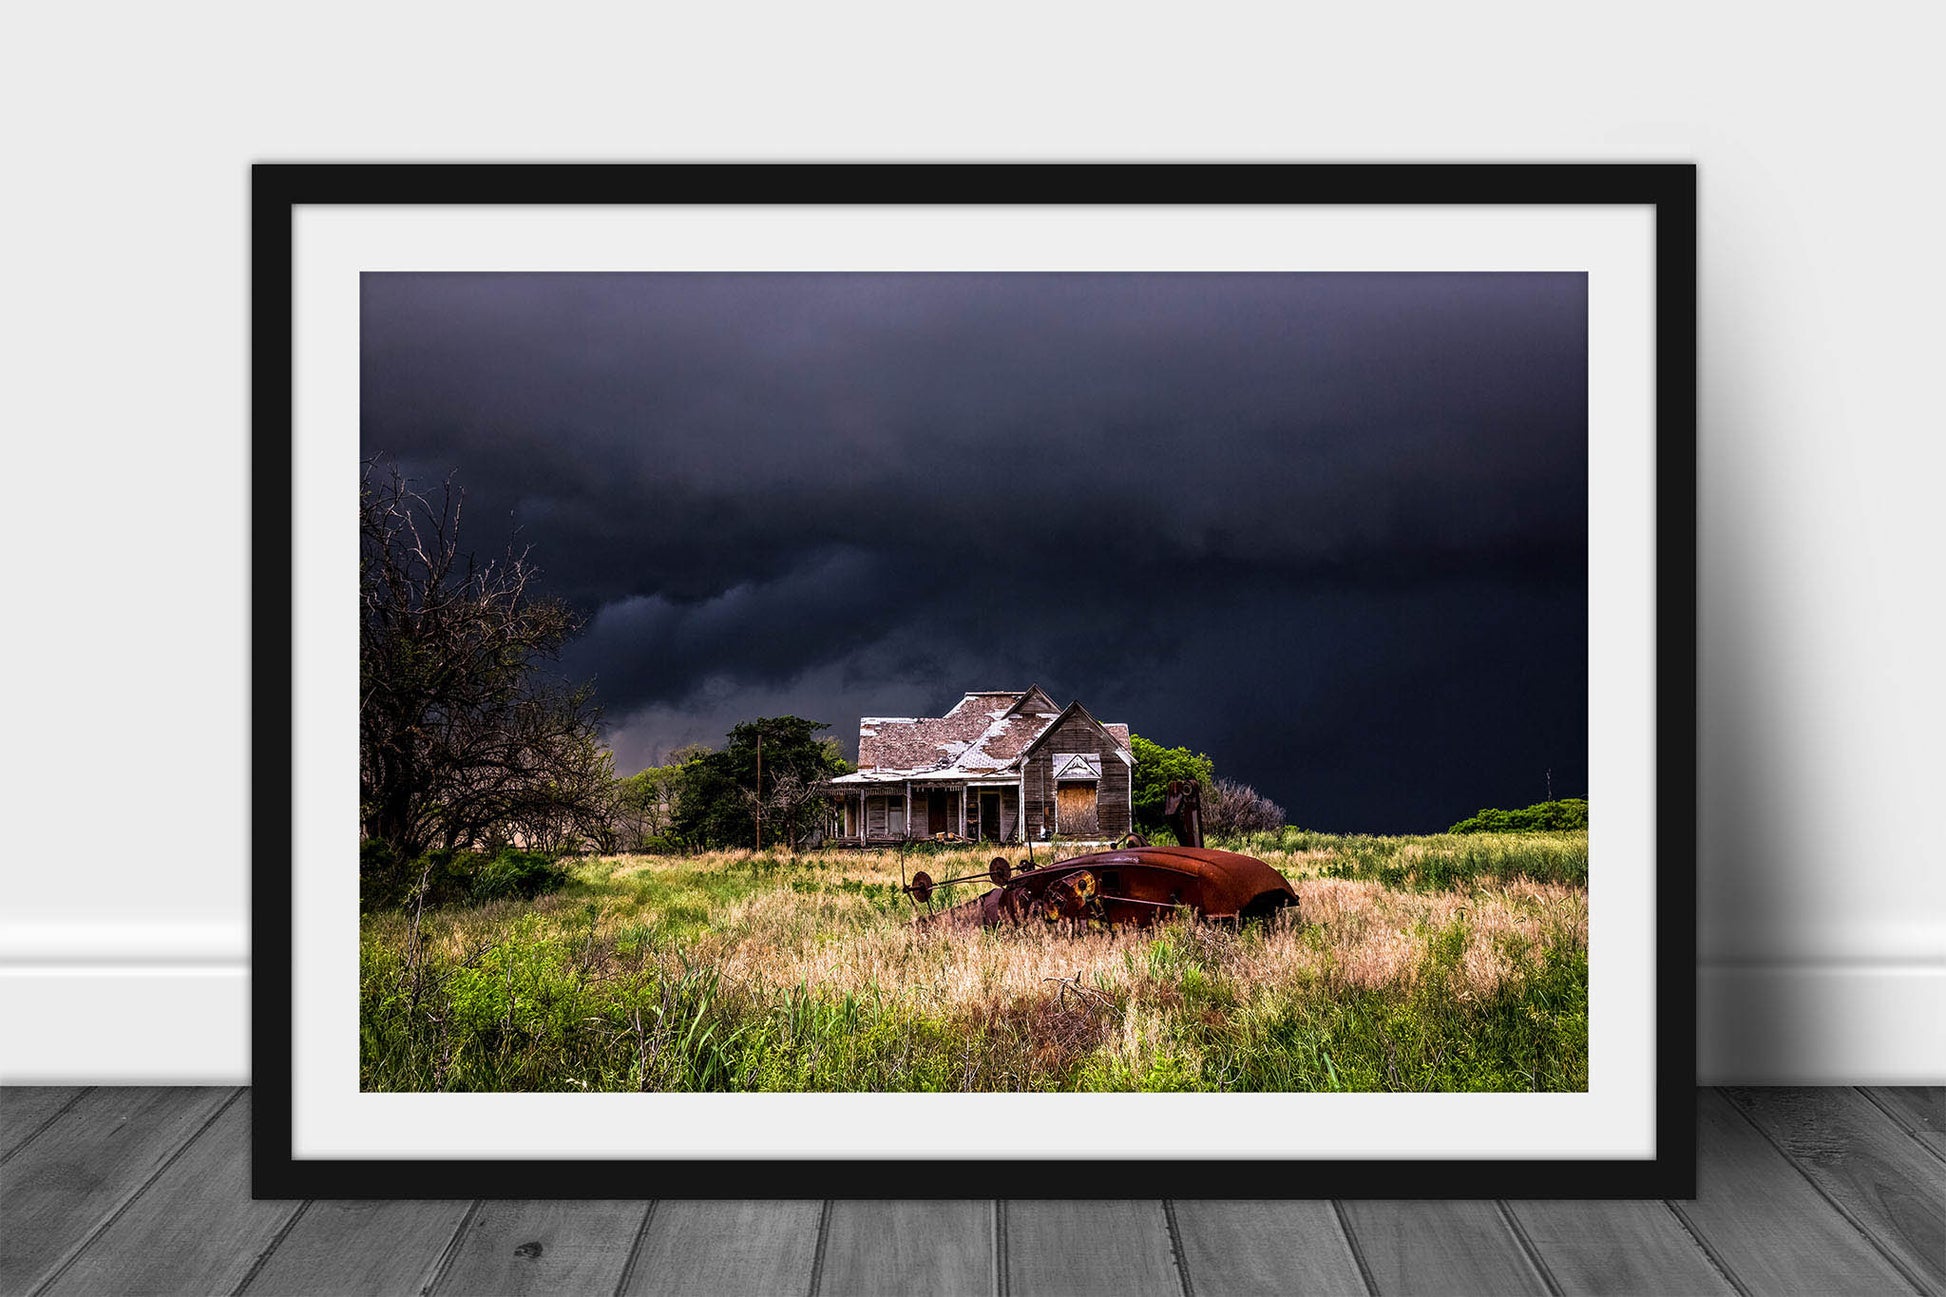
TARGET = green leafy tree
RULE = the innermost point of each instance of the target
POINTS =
(764, 781)
(1155, 767)
(645, 802)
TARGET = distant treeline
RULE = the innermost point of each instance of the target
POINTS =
(1541, 817)
(762, 787)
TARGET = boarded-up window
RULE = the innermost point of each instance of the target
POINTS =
(885, 816)
(1074, 812)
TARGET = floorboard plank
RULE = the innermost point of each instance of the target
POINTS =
(704, 1249)
(24, 1109)
(353, 1246)
(1440, 1247)
(1920, 1109)
(194, 1231)
(909, 1249)
(1760, 1218)
(1278, 1248)
(569, 1249)
(1617, 1247)
(1085, 1249)
(145, 1190)
(94, 1158)
(1890, 1187)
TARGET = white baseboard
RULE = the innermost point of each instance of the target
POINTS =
(184, 1023)
(1821, 1024)
(157, 1024)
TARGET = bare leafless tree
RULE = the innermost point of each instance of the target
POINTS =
(461, 737)
(1231, 808)
(795, 804)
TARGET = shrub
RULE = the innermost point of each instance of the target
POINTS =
(387, 882)
(1233, 808)
(452, 877)
(382, 881)
(525, 874)
(1541, 817)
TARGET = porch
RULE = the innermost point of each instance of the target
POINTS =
(886, 814)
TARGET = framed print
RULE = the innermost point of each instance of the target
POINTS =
(955, 681)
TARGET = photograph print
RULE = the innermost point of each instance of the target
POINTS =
(981, 682)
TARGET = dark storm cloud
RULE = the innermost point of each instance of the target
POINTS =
(1330, 528)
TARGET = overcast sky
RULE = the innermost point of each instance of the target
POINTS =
(1330, 529)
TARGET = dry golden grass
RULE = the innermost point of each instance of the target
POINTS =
(1189, 1005)
(1363, 933)
(1347, 932)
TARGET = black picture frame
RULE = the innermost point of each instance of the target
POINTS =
(278, 189)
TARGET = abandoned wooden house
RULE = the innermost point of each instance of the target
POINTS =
(999, 766)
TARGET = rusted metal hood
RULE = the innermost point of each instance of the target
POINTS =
(1126, 886)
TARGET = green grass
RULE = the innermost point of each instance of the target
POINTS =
(1429, 862)
(1413, 969)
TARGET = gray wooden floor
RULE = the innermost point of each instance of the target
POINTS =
(126, 1190)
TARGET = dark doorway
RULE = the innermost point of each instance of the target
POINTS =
(990, 817)
(936, 810)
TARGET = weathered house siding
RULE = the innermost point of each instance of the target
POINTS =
(1076, 734)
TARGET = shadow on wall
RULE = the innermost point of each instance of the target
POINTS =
(1750, 781)
(1749, 785)
(1812, 922)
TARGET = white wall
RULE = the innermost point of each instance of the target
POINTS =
(1823, 897)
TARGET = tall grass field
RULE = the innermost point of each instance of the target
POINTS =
(1412, 963)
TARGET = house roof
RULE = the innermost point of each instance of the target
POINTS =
(985, 733)
(1118, 732)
